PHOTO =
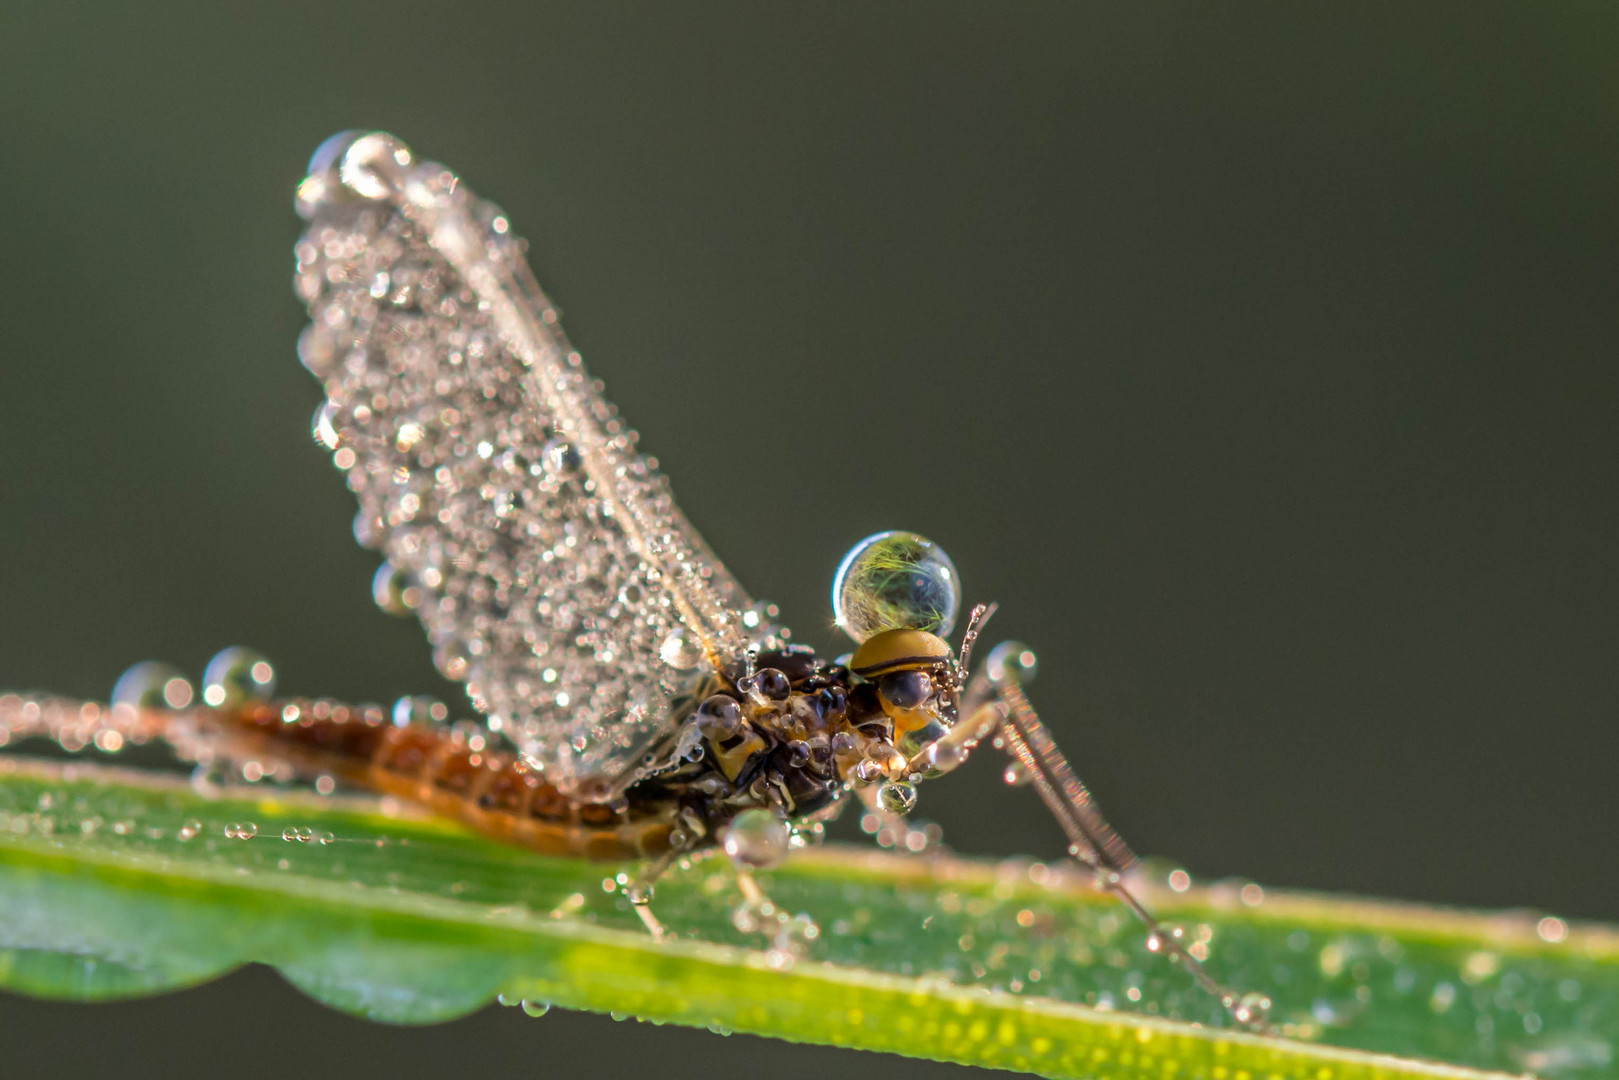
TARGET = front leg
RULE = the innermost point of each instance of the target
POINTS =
(999, 704)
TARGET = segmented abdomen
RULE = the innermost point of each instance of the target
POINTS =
(492, 791)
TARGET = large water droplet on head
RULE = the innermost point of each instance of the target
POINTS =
(894, 580)
(756, 839)
(235, 675)
(152, 684)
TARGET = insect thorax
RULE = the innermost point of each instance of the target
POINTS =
(792, 737)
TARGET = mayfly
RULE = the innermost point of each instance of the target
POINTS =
(637, 702)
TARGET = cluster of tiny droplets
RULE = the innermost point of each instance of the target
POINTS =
(151, 702)
(74, 725)
(479, 477)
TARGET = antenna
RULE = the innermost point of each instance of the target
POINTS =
(980, 615)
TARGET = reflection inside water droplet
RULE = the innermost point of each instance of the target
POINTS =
(152, 684)
(236, 675)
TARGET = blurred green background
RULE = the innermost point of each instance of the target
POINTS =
(1259, 361)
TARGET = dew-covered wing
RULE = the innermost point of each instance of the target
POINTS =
(549, 566)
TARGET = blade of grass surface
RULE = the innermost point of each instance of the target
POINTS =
(114, 884)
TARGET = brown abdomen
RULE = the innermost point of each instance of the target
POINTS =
(491, 791)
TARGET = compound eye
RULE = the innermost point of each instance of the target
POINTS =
(905, 689)
(896, 580)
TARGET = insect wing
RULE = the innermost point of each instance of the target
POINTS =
(550, 567)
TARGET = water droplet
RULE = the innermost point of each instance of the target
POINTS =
(769, 685)
(562, 459)
(756, 839)
(1480, 966)
(189, 829)
(892, 580)
(1011, 659)
(679, 652)
(328, 838)
(719, 717)
(536, 1008)
(236, 675)
(1251, 1008)
(317, 350)
(1017, 774)
(410, 433)
(152, 684)
(416, 709)
(369, 530)
(373, 165)
(1443, 997)
(897, 797)
(619, 1017)
(241, 830)
(638, 893)
(1564, 1052)
(944, 756)
(324, 427)
(395, 591)
(452, 658)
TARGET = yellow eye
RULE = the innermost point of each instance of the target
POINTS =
(895, 580)
(894, 650)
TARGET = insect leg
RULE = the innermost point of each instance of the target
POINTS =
(1092, 840)
(639, 892)
(787, 937)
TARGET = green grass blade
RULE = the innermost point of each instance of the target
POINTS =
(115, 884)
